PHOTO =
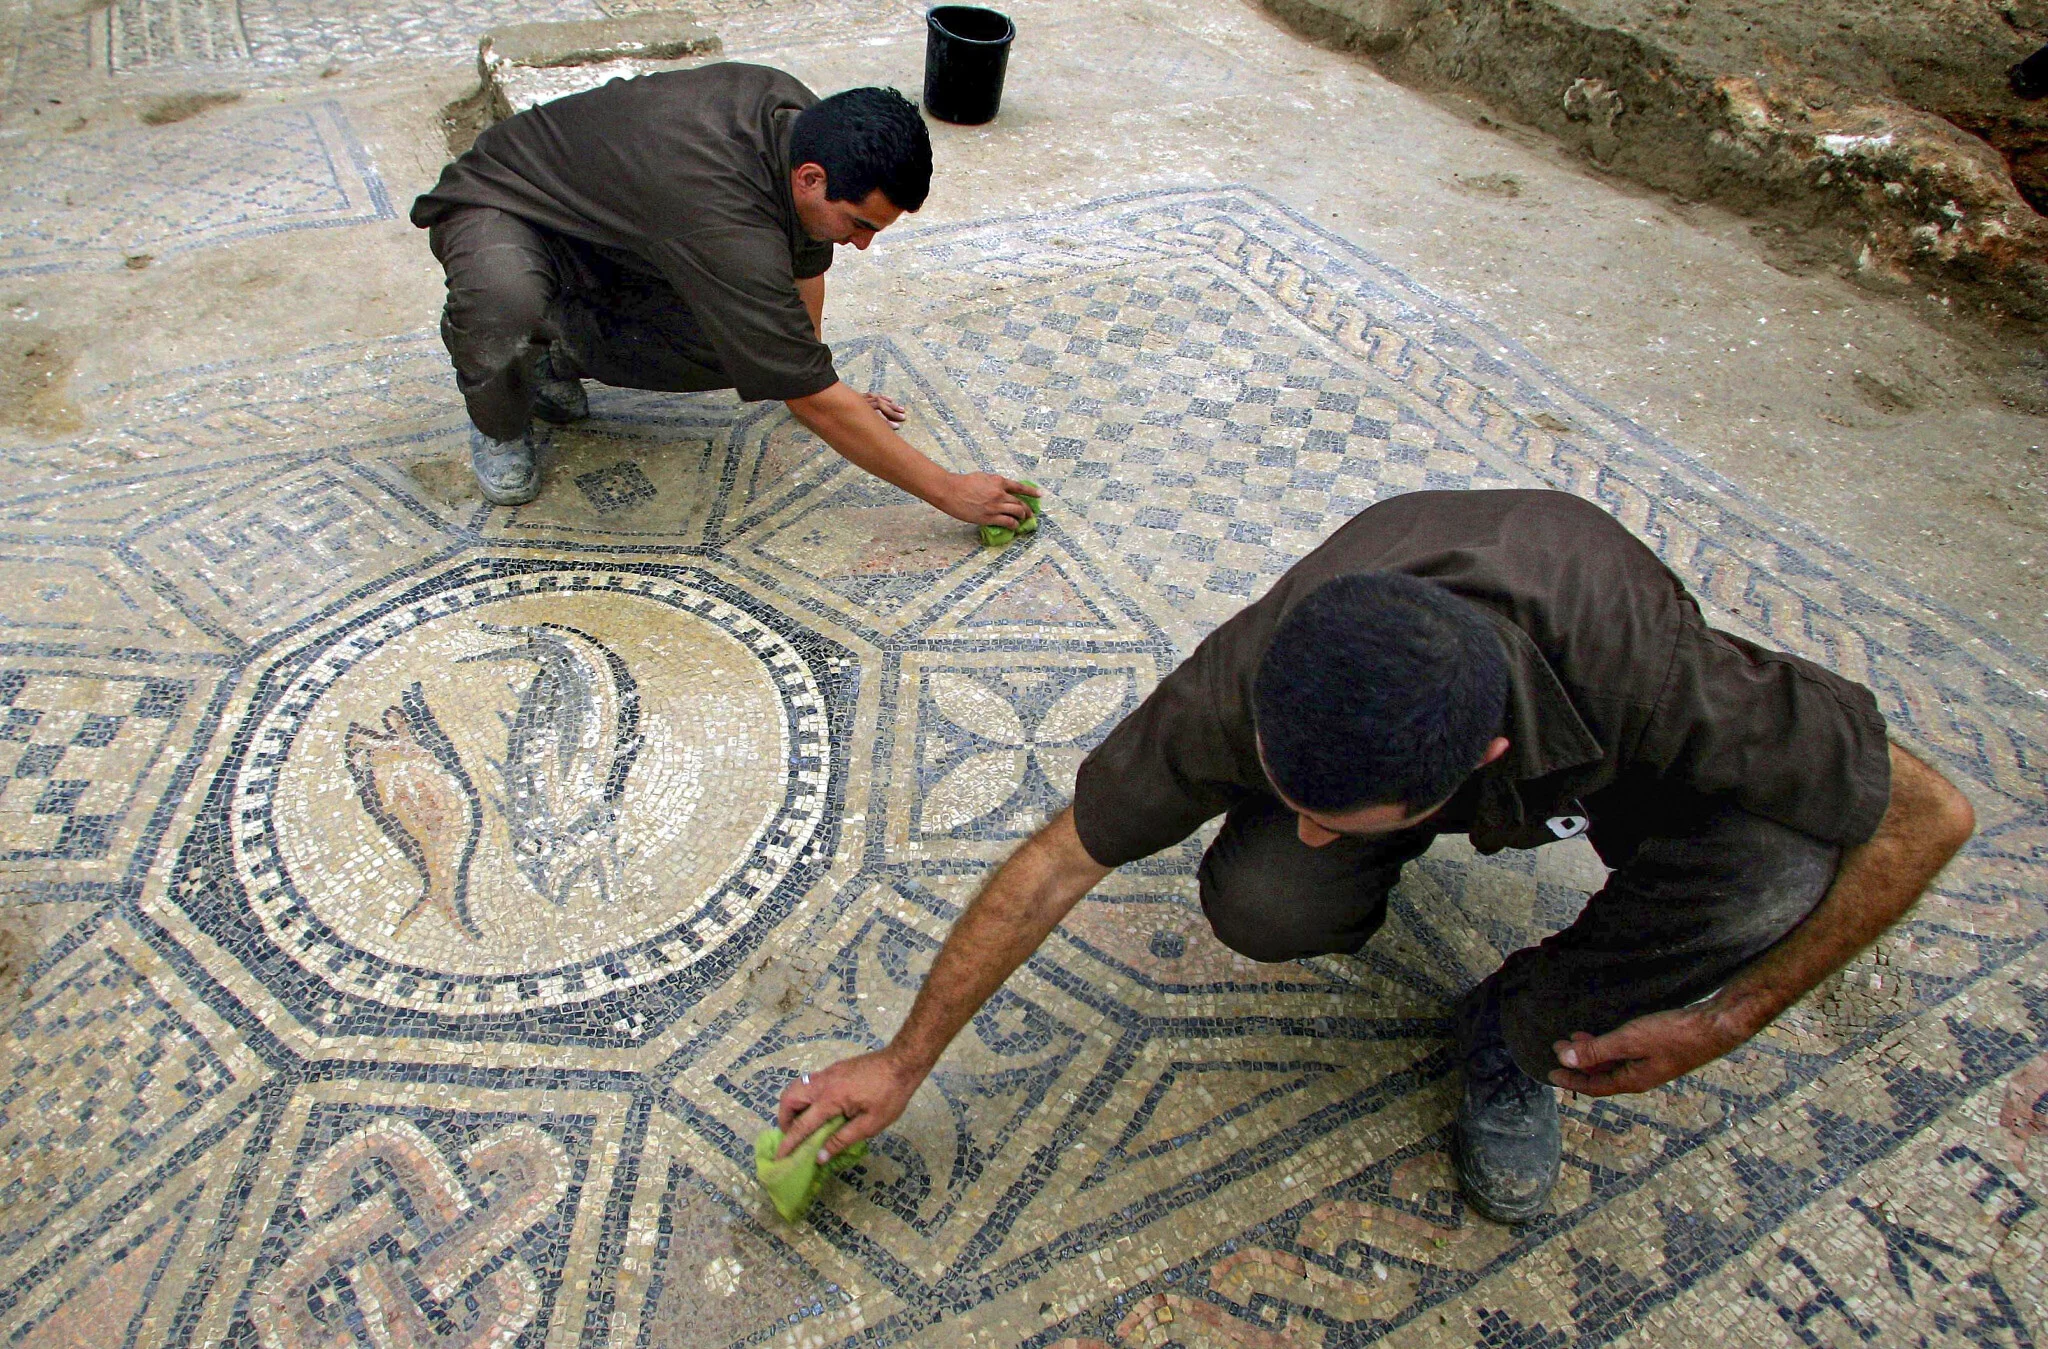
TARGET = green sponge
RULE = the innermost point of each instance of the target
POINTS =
(793, 1183)
(1001, 536)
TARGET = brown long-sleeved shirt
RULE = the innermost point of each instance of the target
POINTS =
(683, 174)
(1621, 699)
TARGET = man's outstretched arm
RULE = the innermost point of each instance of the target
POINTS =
(852, 424)
(812, 290)
(1007, 921)
(1926, 822)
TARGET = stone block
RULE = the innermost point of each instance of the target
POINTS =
(526, 64)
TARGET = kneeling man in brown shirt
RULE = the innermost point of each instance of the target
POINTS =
(672, 232)
(1517, 667)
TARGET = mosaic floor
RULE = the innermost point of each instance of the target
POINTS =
(451, 890)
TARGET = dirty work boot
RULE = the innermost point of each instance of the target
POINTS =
(507, 471)
(1505, 1145)
(558, 395)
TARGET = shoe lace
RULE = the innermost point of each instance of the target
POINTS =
(1494, 1078)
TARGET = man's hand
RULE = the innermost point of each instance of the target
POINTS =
(1008, 920)
(984, 499)
(870, 1092)
(892, 411)
(858, 426)
(1643, 1054)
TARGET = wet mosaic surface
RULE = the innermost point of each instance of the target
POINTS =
(451, 890)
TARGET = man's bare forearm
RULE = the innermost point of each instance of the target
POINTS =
(811, 290)
(1009, 920)
(843, 419)
(1002, 927)
(1879, 880)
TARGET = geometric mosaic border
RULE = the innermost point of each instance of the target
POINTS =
(94, 200)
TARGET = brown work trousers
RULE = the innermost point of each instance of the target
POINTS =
(514, 290)
(1684, 908)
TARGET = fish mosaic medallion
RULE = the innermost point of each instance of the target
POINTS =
(519, 787)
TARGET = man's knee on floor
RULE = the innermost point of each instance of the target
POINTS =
(1259, 923)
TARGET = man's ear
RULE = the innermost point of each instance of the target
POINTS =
(808, 178)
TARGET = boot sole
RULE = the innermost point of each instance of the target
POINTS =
(518, 497)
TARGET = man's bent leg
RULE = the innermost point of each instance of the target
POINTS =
(1270, 896)
(1678, 916)
(630, 330)
(502, 283)
(1681, 912)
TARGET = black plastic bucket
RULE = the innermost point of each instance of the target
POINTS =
(966, 51)
(2030, 77)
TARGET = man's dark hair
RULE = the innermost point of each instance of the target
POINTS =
(865, 139)
(1378, 689)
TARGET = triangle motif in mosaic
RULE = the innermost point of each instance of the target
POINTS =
(1042, 597)
(1192, 1101)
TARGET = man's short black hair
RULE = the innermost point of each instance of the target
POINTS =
(1378, 689)
(865, 139)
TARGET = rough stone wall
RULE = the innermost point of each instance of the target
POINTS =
(1851, 125)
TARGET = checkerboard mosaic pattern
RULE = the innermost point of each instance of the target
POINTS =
(320, 745)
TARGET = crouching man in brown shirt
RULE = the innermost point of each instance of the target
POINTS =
(672, 232)
(1517, 667)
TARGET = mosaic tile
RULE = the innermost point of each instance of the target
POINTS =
(998, 740)
(250, 550)
(100, 1070)
(85, 754)
(295, 31)
(87, 601)
(512, 860)
(132, 36)
(129, 1279)
(95, 199)
(444, 1221)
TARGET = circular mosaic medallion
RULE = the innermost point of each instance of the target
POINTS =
(524, 790)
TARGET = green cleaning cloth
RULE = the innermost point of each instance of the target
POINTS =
(793, 1183)
(1000, 536)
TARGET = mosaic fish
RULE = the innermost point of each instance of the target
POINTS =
(569, 745)
(415, 788)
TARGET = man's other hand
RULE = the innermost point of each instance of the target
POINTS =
(1645, 1053)
(870, 1091)
(892, 411)
(984, 499)
(1878, 881)
(858, 426)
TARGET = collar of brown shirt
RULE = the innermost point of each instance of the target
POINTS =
(1549, 747)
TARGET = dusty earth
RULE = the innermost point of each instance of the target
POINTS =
(1881, 141)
